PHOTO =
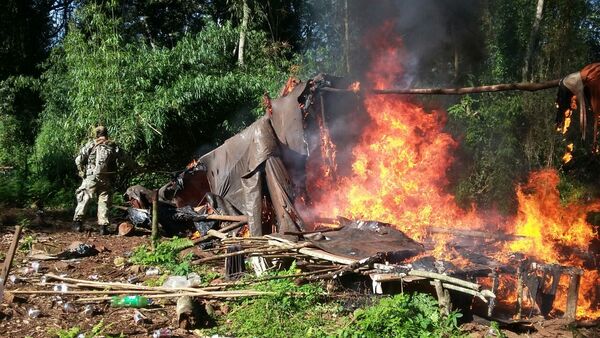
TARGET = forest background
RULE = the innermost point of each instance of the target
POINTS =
(175, 78)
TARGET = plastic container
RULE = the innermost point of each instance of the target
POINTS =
(175, 282)
(163, 333)
(130, 301)
(33, 313)
(35, 266)
(69, 308)
(153, 272)
(138, 317)
(88, 310)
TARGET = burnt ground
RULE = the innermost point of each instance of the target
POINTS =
(56, 236)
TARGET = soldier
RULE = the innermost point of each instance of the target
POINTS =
(97, 163)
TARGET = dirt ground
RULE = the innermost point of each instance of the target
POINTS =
(56, 236)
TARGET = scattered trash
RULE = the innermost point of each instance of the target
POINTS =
(33, 313)
(133, 279)
(138, 317)
(43, 280)
(69, 308)
(119, 261)
(14, 279)
(194, 279)
(35, 266)
(78, 250)
(153, 272)
(88, 310)
(130, 301)
(61, 287)
(93, 277)
(161, 333)
(26, 271)
(176, 282)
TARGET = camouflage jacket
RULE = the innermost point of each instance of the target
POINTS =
(100, 157)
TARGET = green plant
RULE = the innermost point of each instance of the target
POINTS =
(165, 255)
(495, 330)
(96, 331)
(27, 243)
(403, 315)
(292, 311)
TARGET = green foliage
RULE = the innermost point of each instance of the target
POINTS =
(158, 103)
(403, 315)
(165, 255)
(293, 311)
(26, 243)
(492, 127)
(96, 331)
(495, 330)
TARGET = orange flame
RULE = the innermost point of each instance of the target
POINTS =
(399, 177)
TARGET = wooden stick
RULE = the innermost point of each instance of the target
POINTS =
(572, 295)
(250, 251)
(125, 286)
(8, 260)
(154, 236)
(445, 278)
(474, 233)
(312, 232)
(82, 292)
(463, 290)
(526, 86)
(442, 296)
(216, 294)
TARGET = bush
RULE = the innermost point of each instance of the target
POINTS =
(166, 255)
(403, 315)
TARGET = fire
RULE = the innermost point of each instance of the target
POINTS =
(399, 177)
(355, 86)
(192, 164)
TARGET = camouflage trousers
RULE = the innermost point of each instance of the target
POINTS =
(92, 188)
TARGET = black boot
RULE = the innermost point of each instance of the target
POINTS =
(77, 226)
(104, 230)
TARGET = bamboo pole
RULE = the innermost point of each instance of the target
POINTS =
(251, 251)
(216, 294)
(445, 278)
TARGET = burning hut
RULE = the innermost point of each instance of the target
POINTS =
(326, 149)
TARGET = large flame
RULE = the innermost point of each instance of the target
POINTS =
(399, 177)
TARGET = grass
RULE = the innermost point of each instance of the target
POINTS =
(74, 332)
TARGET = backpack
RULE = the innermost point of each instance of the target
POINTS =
(104, 158)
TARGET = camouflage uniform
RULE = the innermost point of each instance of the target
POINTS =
(97, 165)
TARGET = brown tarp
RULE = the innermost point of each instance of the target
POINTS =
(362, 239)
(248, 168)
(263, 170)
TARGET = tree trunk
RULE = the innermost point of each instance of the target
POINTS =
(243, 30)
(532, 39)
(346, 37)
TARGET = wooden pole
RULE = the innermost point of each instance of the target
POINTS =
(572, 295)
(525, 86)
(8, 259)
(154, 236)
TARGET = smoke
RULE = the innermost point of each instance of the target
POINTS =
(439, 37)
